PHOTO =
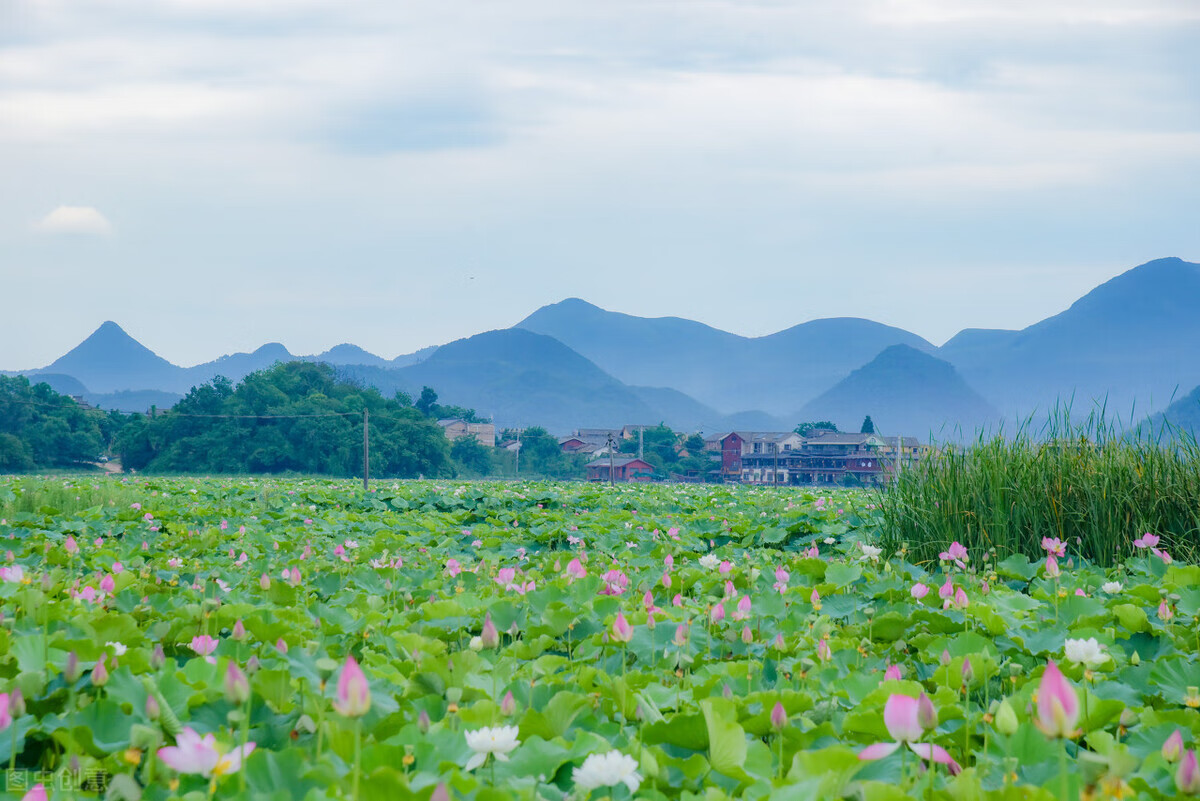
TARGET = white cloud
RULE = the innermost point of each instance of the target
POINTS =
(75, 220)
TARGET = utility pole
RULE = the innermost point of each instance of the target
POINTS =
(641, 433)
(899, 445)
(366, 450)
(517, 469)
(612, 478)
(775, 472)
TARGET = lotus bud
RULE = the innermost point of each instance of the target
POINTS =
(1172, 749)
(475, 643)
(253, 665)
(153, 710)
(1128, 717)
(779, 717)
(621, 630)
(681, 635)
(490, 638)
(968, 672)
(440, 793)
(892, 673)
(945, 658)
(353, 693)
(508, 704)
(1187, 778)
(16, 703)
(100, 673)
(423, 722)
(1057, 704)
(264, 581)
(281, 646)
(72, 672)
(927, 715)
(157, 657)
(237, 686)
(779, 643)
(239, 630)
(514, 630)
(747, 635)
(1006, 718)
(726, 691)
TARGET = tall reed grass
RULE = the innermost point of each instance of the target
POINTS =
(1092, 485)
(66, 495)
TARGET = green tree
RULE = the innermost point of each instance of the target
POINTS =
(294, 417)
(470, 456)
(46, 429)
(804, 428)
(428, 400)
(868, 426)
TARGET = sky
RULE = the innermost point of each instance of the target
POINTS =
(216, 174)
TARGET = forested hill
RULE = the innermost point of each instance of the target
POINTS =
(40, 428)
(293, 417)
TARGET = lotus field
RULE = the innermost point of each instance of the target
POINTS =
(281, 639)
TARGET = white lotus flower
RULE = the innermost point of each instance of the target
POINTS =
(118, 648)
(1085, 652)
(607, 770)
(709, 561)
(499, 741)
(1112, 587)
(870, 552)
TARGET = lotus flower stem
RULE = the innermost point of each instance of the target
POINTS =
(245, 739)
(358, 756)
(1062, 769)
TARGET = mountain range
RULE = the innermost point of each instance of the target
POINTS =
(1129, 344)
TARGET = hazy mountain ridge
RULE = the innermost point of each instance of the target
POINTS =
(1130, 343)
(906, 392)
(1132, 337)
(777, 372)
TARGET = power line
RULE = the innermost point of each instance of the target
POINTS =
(168, 412)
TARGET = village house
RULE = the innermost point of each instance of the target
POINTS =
(734, 446)
(624, 468)
(457, 428)
(832, 457)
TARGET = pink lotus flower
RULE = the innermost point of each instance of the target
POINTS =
(70, 545)
(823, 651)
(1054, 546)
(779, 717)
(1187, 777)
(902, 718)
(1165, 612)
(108, 583)
(730, 590)
(1057, 704)
(615, 582)
(1052, 569)
(203, 645)
(264, 581)
(1146, 541)
(677, 601)
(16, 573)
(946, 590)
(743, 608)
(955, 553)
(353, 693)
(490, 637)
(621, 630)
(195, 754)
(117, 567)
(666, 579)
(453, 567)
(681, 634)
(815, 598)
(725, 567)
(648, 603)
(717, 614)
(5, 715)
(892, 673)
(1172, 749)
(36, 793)
(575, 570)
(919, 591)
(959, 601)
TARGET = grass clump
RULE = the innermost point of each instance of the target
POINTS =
(1091, 485)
